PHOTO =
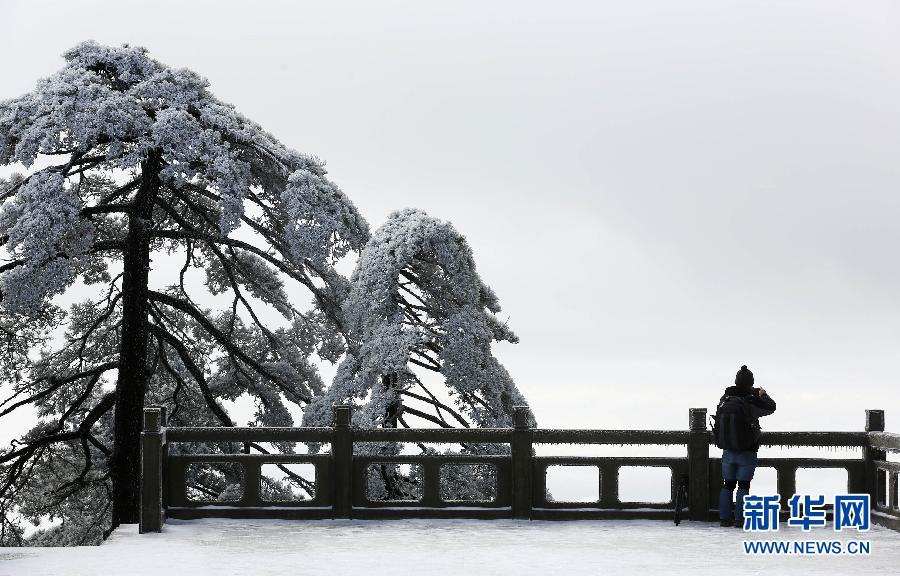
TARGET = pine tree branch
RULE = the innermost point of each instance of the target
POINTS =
(223, 341)
(329, 306)
(108, 209)
(24, 454)
(179, 381)
(78, 401)
(403, 286)
(190, 232)
(122, 190)
(472, 397)
(425, 416)
(239, 296)
(55, 384)
(96, 324)
(441, 406)
(405, 425)
(308, 486)
(83, 167)
(423, 365)
(100, 246)
(100, 446)
(193, 234)
(164, 335)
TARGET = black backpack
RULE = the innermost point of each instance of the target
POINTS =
(734, 427)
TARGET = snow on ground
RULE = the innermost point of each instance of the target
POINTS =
(445, 548)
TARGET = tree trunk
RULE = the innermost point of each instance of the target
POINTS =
(132, 382)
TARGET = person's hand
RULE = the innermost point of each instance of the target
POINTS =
(762, 392)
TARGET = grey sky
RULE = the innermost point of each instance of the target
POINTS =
(659, 192)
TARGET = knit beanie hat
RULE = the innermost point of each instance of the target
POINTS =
(744, 378)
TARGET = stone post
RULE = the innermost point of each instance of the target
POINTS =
(342, 459)
(698, 466)
(152, 441)
(874, 479)
(522, 466)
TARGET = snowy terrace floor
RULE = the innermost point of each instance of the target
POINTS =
(443, 547)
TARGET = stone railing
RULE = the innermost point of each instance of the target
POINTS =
(520, 490)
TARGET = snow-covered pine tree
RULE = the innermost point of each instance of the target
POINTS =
(142, 165)
(418, 306)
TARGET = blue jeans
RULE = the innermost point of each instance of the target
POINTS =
(737, 466)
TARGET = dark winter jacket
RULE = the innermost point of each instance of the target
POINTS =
(759, 405)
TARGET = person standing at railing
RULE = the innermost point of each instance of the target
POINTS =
(736, 430)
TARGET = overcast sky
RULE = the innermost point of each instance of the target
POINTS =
(658, 192)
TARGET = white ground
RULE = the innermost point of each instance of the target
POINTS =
(442, 547)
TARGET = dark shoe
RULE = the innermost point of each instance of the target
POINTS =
(726, 523)
(739, 523)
